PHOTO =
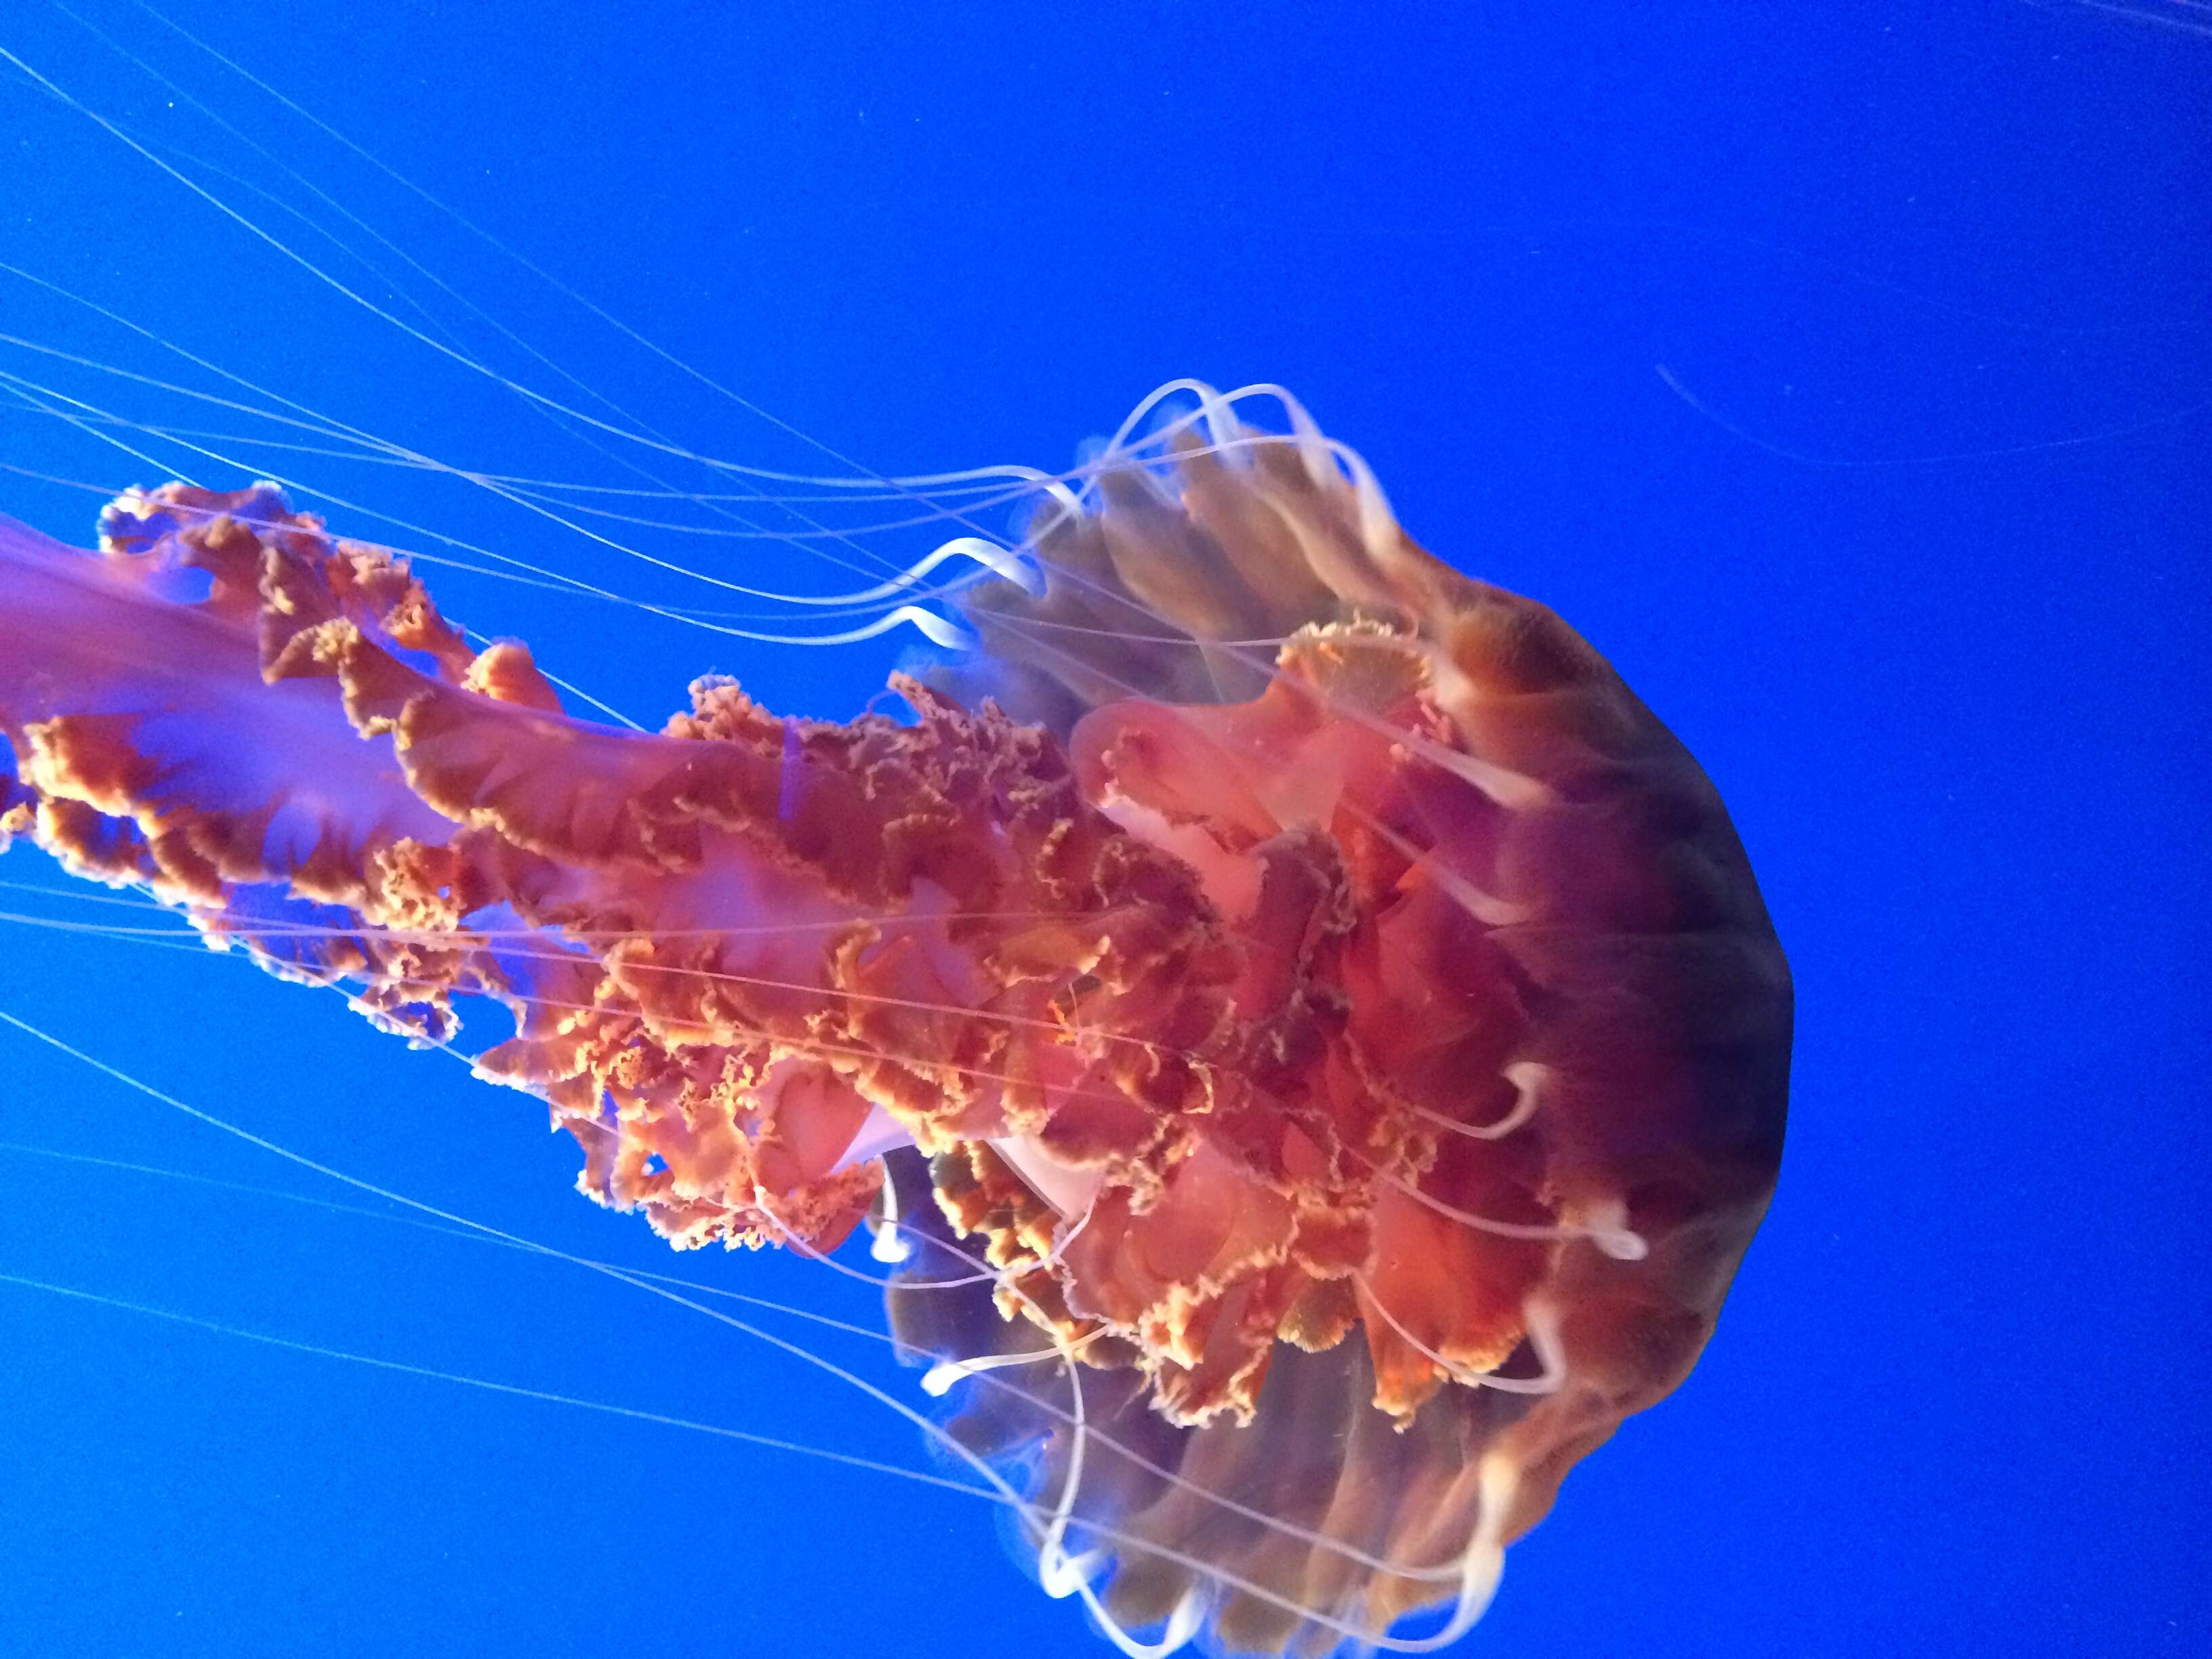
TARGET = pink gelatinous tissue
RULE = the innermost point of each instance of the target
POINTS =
(1340, 1014)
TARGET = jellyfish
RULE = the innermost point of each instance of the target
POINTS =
(1304, 1038)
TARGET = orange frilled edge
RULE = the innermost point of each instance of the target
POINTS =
(1226, 1027)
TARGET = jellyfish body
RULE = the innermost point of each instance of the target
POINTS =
(1342, 1017)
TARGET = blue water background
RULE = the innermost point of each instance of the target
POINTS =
(1909, 542)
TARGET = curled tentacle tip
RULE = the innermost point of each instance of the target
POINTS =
(937, 1382)
(1620, 1244)
(1006, 564)
(937, 629)
(1061, 1575)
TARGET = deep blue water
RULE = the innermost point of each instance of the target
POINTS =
(1844, 372)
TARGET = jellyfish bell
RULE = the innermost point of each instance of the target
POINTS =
(1337, 1015)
